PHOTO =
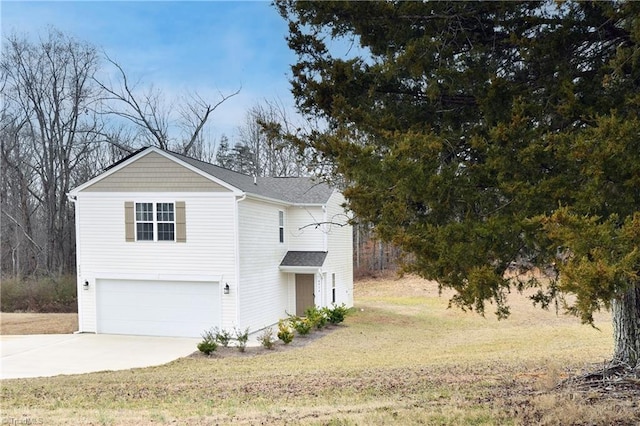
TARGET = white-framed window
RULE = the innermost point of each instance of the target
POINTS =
(155, 222)
(333, 288)
(166, 221)
(281, 226)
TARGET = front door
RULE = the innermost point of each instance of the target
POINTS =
(304, 293)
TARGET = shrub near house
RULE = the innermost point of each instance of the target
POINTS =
(304, 326)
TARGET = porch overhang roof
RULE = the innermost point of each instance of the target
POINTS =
(303, 261)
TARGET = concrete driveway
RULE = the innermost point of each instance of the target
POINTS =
(46, 355)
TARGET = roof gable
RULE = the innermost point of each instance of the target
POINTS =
(153, 169)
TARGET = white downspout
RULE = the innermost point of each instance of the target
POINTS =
(237, 257)
(325, 220)
(325, 245)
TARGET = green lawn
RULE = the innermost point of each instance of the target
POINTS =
(401, 357)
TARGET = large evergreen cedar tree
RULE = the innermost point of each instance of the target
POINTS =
(479, 135)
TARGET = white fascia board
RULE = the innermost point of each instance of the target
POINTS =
(308, 205)
(281, 202)
(76, 190)
(156, 195)
(301, 269)
(268, 199)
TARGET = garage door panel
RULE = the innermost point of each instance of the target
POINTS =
(157, 308)
(142, 299)
(151, 328)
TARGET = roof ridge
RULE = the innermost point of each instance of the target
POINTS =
(289, 189)
(204, 162)
(314, 178)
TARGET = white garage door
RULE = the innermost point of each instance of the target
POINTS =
(157, 308)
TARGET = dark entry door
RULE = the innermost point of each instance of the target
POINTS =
(304, 293)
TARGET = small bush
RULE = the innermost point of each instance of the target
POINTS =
(317, 317)
(208, 344)
(267, 339)
(302, 325)
(222, 336)
(285, 332)
(241, 337)
(336, 314)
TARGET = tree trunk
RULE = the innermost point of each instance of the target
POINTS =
(626, 325)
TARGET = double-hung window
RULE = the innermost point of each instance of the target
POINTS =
(155, 222)
(166, 222)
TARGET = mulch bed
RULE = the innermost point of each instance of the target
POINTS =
(232, 351)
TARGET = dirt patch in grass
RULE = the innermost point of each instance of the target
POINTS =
(31, 323)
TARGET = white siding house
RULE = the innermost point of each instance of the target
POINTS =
(169, 245)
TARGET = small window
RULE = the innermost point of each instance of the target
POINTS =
(281, 225)
(333, 288)
(155, 222)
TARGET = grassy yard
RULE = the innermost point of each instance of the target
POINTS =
(33, 323)
(402, 357)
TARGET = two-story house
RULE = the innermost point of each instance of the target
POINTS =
(171, 246)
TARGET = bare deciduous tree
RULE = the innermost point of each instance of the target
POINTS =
(60, 126)
(264, 144)
(49, 90)
(16, 222)
(154, 117)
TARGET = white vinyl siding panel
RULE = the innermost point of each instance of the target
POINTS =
(86, 306)
(208, 251)
(263, 292)
(209, 246)
(301, 230)
(340, 252)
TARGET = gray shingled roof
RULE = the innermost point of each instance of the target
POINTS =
(300, 190)
(304, 258)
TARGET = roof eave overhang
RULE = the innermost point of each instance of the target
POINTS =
(267, 199)
(308, 204)
(282, 202)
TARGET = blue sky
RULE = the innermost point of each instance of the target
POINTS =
(178, 46)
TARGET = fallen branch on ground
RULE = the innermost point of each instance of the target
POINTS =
(614, 380)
